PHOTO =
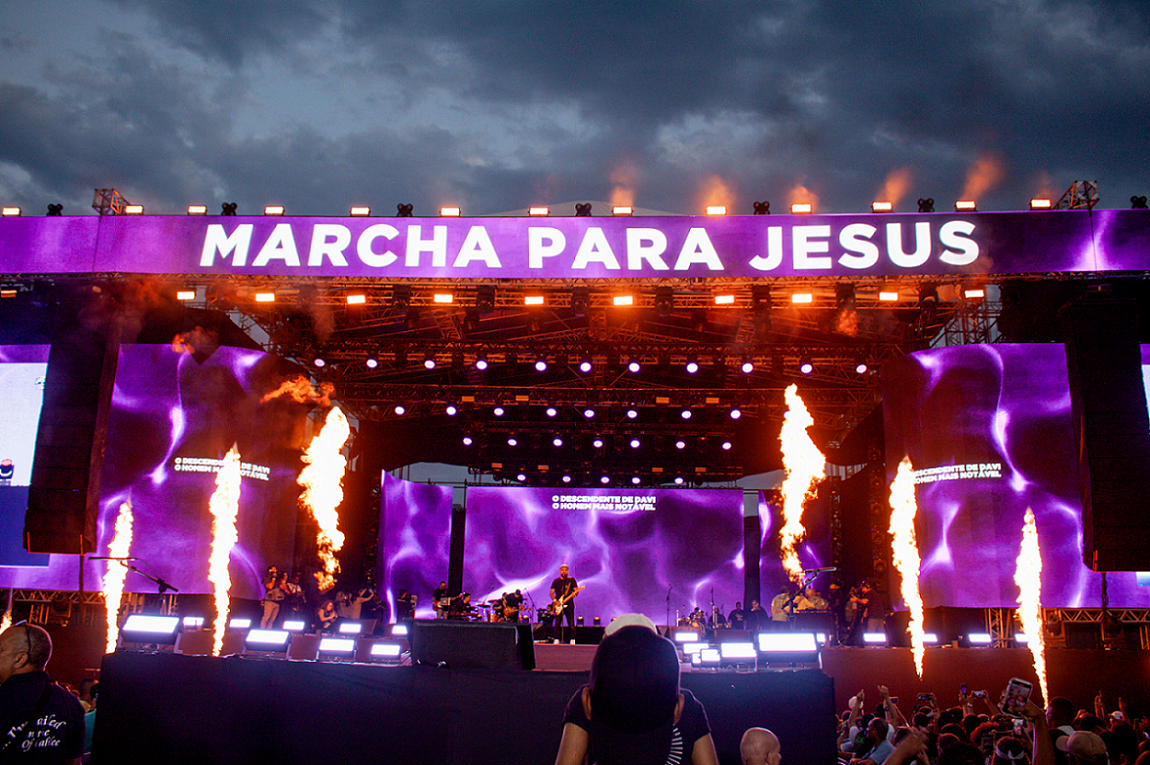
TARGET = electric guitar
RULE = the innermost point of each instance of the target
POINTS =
(557, 605)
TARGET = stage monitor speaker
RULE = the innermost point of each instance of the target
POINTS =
(472, 645)
(63, 494)
(1111, 431)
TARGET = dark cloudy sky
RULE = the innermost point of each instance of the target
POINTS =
(494, 106)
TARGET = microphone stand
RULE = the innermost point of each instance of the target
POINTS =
(668, 619)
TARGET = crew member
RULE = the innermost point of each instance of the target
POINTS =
(564, 588)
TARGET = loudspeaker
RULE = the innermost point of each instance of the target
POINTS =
(63, 494)
(589, 635)
(1111, 431)
(472, 645)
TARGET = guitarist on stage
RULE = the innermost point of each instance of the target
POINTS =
(563, 592)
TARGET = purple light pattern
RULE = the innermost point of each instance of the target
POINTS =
(414, 540)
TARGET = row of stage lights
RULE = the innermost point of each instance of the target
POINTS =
(925, 205)
(349, 643)
(586, 365)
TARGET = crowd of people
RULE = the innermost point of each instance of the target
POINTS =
(286, 598)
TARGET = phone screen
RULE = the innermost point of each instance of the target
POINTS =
(1016, 695)
(962, 690)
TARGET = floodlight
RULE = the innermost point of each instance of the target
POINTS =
(716, 210)
(450, 212)
(633, 366)
(386, 653)
(260, 642)
(802, 297)
(1021, 639)
(185, 295)
(357, 298)
(806, 367)
(693, 647)
(534, 299)
(788, 647)
(736, 414)
(481, 362)
(337, 649)
(399, 630)
(622, 210)
(874, 638)
(133, 209)
(881, 206)
(686, 635)
(965, 205)
(350, 628)
(540, 211)
(295, 625)
(692, 365)
(274, 210)
(400, 410)
(360, 211)
(801, 208)
(193, 622)
(597, 443)
(265, 297)
(930, 638)
(585, 365)
(240, 623)
(9, 212)
(443, 298)
(623, 300)
(708, 657)
(605, 480)
(979, 638)
(1040, 204)
(747, 366)
(974, 293)
(541, 365)
(140, 630)
(197, 209)
(738, 652)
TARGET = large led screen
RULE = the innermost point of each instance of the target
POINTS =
(173, 417)
(656, 551)
(988, 431)
(23, 369)
(414, 540)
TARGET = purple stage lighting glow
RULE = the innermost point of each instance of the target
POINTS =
(566, 479)
(481, 364)
(748, 367)
(680, 444)
(521, 477)
(736, 414)
(861, 368)
(584, 366)
(726, 446)
(678, 480)
(400, 410)
(557, 442)
(636, 480)
(552, 411)
(597, 443)
(498, 411)
(429, 363)
(806, 367)
(589, 413)
(685, 414)
(632, 414)
(320, 363)
(635, 443)
(540, 365)
(467, 441)
(633, 367)
(692, 367)
(512, 441)
(605, 480)
(451, 410)
(372, 363)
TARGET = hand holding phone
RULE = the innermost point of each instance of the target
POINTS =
(1015, 696)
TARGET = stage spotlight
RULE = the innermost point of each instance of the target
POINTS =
(632, 413)
(974, 293)
(197, 209)
(622, 210)
(605, 480)
(678, 480)
(636, 480)
(736, 414)
(401, 297)
(513, 441)
(580, 300)
(965, 205)
(623, 300)
(386, 653)
(404, 211)
(336, 649)
(680, 444)
(551, 411)
(274, 210)
(1138, 202)
(725, 298)
(480, 362)
(260, 642)
(356, 298)
(193, 622)
(133, 209)
(716, 210)
(633, 366)
(685, 414)
(400, 410)
(557, 442)
(664, 300)
(239, 623)
(498, 411)
(806, 367)
(349, 627)
(468, 441)
(888, 296)
(589, 413)
(360, 212)
(265, 297)
(538, 211)
(787, 648)
(319, 362)
(874, 638)
(726, 446)
(540, 365)
(485, 298)
(861, 366)
(583, 210)
(585, 365)
(979, 639)
(443, 298)
(295, 625)
(566, 478)
(398, 630)
(748, 365)
(738, 652)
(597, 443)
(1040, 204)
(802, 208)
(140, 630)
(534, 300)
(708, 657)
(802, 298)
(635, 443)
(692, 365)
(228, 209)
(55, 210)
(926, 205)
(762, 208)
(185, 295)
(429, 361)
(450, 212)
(881, 207)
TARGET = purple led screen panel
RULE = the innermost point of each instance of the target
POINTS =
(814, 548)
(988, 431)
(660, 552)
(172, 417)
(414, 540)
(22, 372)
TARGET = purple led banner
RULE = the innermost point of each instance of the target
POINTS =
(659, 552)
(414, 540)
(988, 431)
(590, 248)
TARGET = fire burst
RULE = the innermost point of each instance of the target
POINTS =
(1028, 577)
(803, 466)
(904, 549)
(6, 620)
(322, 491)
(225, 507)
(114, 577)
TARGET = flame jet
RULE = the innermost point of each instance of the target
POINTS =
(114, 577)
(1028, 577)
(321, 480)
(904, 553)
(224, 506)
(803, 466)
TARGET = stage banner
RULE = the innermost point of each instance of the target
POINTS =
(988, 432)
(745, 246)
(661, 552)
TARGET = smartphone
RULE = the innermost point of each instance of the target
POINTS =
(926, 696)
(1015, 696)
(980, 694)
(986, 744)
(962, 690)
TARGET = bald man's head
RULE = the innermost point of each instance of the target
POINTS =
(760, 747)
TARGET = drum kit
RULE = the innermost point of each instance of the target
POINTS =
(494, 611)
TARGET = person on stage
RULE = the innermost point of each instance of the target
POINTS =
(441, 601)
(326, 617)
(810, 600)
(405, 605)
(737, 619)
(512, 606)
(461, 608)
(563, 591)
(757, 618)
(273, 596)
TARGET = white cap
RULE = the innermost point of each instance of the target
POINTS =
(629, 620)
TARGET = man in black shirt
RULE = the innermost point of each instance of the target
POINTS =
(563, 591)
(40, 722)
(440, 600)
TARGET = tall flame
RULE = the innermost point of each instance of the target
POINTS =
(1028, 577)
(803, 466)
(6, 620)
(116, 573)
(904, 549)
(225, 507)
(322, 491)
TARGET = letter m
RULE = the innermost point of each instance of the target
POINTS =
(236, 245)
